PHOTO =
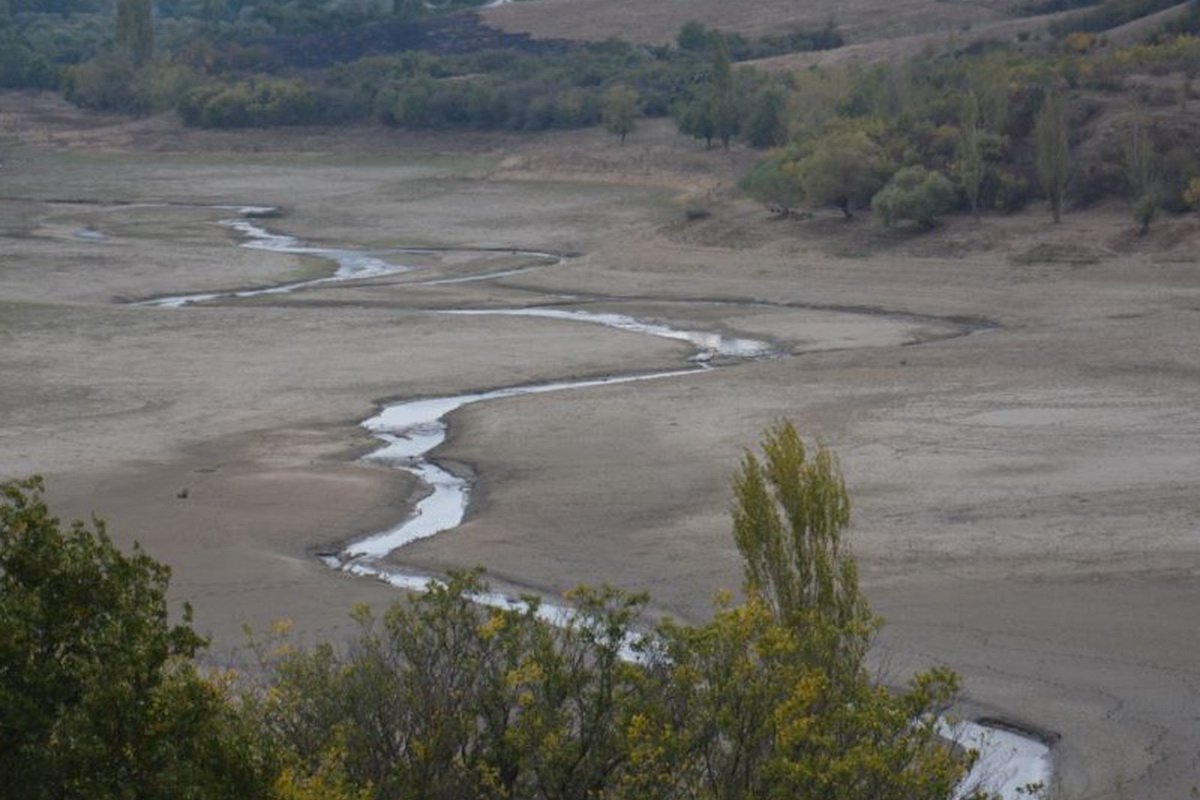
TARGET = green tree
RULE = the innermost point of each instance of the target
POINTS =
(790, 509)
(773, 183)
(772, 698)
(1141, 170)
(407, 9)
(721, 100)
(447, 699)
(971, 166)
(99, 697)
(693, 37)
(695, 119)
(135, 30)
(845, 170)
(989, 83)
(1053, 151)
(620, 107)
(108, 82)
(914, 193)
(748, 714)
(767, 126)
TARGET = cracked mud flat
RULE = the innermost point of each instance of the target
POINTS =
(1025, 498)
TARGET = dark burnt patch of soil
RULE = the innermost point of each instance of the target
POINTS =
(452, 34)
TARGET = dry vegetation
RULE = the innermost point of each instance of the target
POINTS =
(658, 22)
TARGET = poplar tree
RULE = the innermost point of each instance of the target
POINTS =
(971, 166)
(989, 84)
(135, 30)
(790, 509)
(1053, 151)
(1141, 170)
(722, 105)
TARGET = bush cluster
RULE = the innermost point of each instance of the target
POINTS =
(260, 102)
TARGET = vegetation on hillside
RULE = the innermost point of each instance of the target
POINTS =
(993, 129)
(976, 120)
(441, 697)
(413, 64)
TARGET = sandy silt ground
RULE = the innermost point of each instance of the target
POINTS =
(1025, 495)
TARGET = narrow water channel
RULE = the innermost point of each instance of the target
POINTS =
(410, 431)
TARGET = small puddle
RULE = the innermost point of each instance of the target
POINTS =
(1009, 764)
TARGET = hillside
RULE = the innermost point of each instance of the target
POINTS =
(658, 22)
(875, 31)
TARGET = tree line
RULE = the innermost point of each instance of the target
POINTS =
(969, 130)
(992, 131)
(441, 697)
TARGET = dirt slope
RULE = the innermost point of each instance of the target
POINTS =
(658, 21)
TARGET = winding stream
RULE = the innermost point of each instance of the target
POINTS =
(409, 432)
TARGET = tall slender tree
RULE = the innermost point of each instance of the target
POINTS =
(135, 30)
(1051, 138)
(790, 509)
(1141, 170)
(721, 100)
(971, 166)
(989, 83)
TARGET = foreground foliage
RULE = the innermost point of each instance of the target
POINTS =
(444, 697)
(99, 695)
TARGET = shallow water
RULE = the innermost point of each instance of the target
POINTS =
(1008, 761)
(351, 264)
(708, 345)
(411, 430)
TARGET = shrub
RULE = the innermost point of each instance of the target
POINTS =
(916, 194)
(21, 67)
(1191, 195)
(773, 183)
(1004, 191)
(100, 697)
(1180, 168)
(108, 82)
(258, 102)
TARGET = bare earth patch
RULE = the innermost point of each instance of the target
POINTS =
(1014, 402)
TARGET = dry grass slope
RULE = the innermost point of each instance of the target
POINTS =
(658, 21)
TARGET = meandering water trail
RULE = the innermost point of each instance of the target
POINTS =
(410, 431)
